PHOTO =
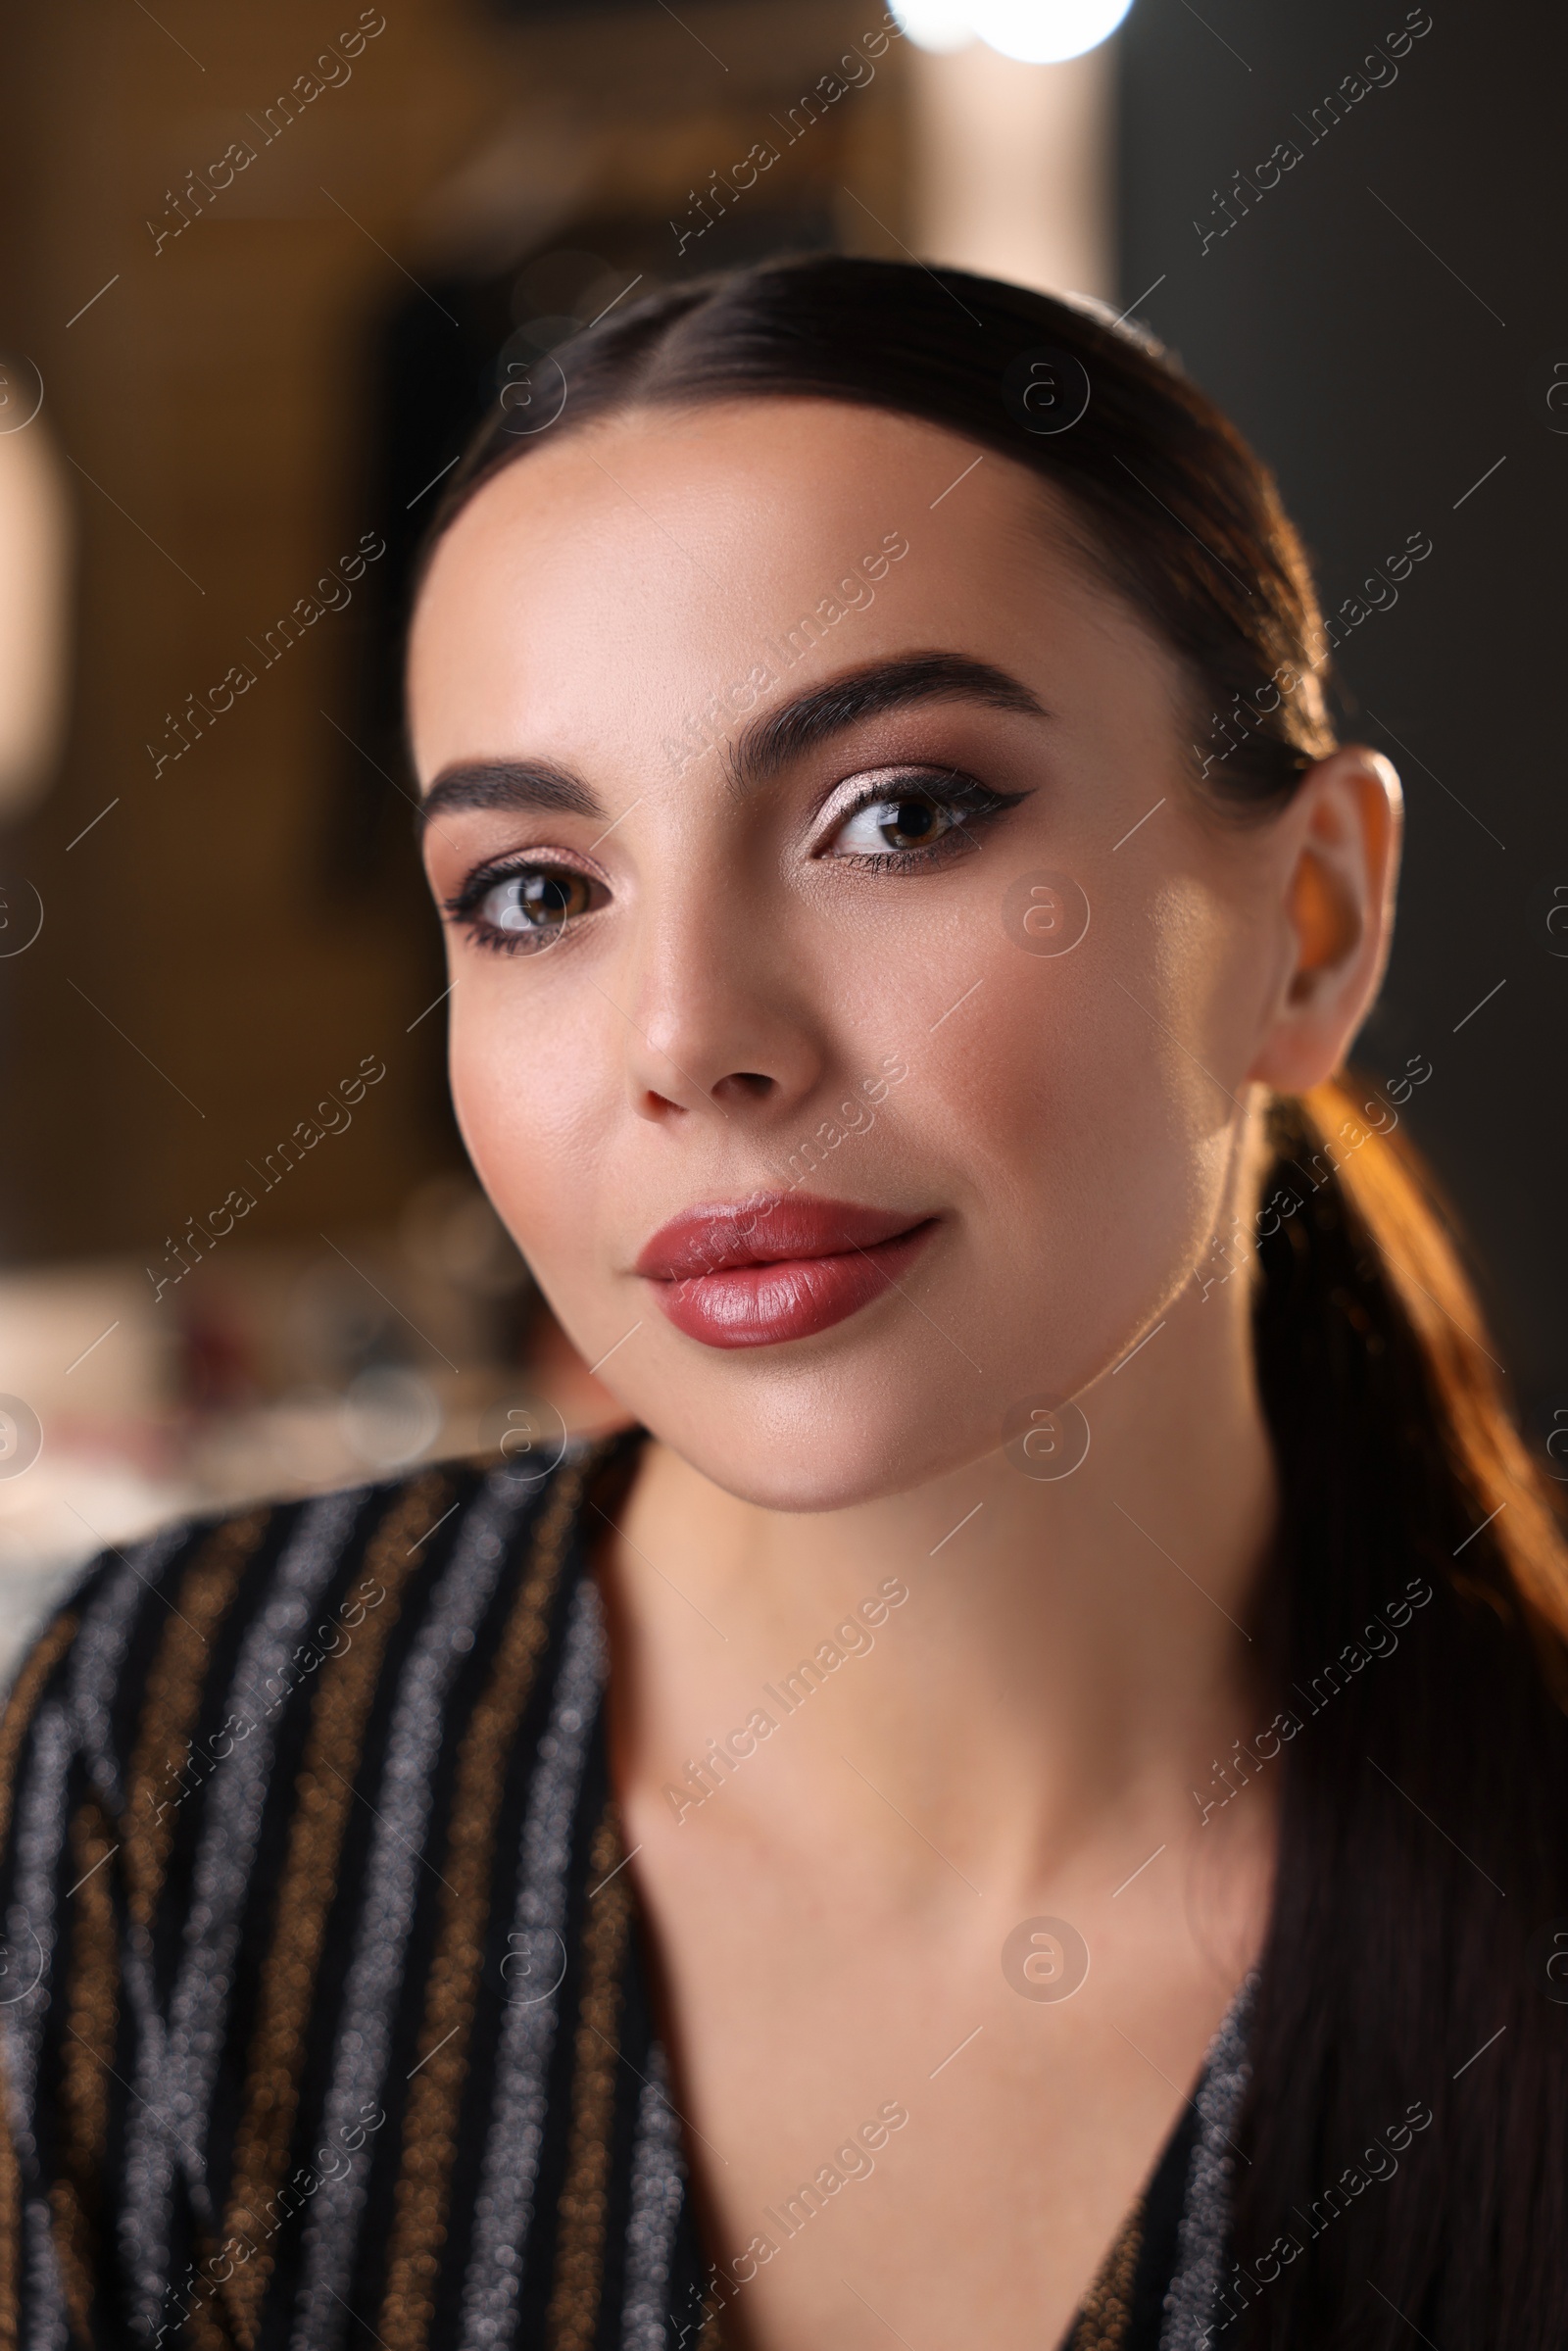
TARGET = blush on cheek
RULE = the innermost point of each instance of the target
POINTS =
(1103, 1142)
(526, 1129)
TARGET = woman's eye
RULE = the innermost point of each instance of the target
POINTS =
(908, 822)
(530, 906)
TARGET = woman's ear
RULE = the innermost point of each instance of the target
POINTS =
(1342, 835)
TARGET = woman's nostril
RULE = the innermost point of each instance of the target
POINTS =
(747, 1084)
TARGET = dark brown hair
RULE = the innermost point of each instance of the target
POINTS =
(1410, 1965)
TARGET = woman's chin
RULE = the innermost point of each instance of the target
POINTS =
(821, 1464)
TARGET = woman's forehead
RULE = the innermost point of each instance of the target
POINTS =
(647, 563)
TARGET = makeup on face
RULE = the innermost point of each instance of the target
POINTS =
(761, 1272)
(669, 991)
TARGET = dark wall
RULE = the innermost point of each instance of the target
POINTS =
(1383, 325)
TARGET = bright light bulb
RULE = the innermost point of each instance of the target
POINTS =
(1044, 32)
(940, 26)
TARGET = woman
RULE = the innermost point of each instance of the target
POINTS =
(1025, 1796)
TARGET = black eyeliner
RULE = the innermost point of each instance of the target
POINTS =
(963, 796)
(504, 869)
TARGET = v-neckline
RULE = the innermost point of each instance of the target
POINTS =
(1122, 2309)
(1156, 2286)
(1158, 2278)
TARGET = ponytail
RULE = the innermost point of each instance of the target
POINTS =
(1405, 2145)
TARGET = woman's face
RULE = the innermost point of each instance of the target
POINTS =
(853, 1001)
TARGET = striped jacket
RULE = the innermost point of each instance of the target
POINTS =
(323, 2013)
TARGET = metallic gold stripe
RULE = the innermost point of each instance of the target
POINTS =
(325, 1792)
(574, 2298)
(204, 2324)
(25, 1692)
(69, 2235)
(21, 1705)
(87, 2061)
(429, 2132)
(173, 1700)
(203, 2332)
(1107, 2310)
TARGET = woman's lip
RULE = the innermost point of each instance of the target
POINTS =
(757, 1272)
(767, 1229)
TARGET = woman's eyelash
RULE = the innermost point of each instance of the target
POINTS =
(463, 904)
(961, 796)
(474, 885)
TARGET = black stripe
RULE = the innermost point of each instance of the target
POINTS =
(104, 1767)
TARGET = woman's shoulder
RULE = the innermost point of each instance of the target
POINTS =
(241, 1614)
(299, 1805)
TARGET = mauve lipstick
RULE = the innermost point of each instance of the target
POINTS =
(776, 1267)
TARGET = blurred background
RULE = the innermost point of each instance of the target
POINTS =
(265, 268)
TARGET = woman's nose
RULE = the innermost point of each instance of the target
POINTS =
(718, 1020)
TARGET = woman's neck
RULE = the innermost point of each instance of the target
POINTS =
(1069, 1656)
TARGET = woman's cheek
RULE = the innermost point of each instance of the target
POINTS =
(523, 1101)
(1097, 1138)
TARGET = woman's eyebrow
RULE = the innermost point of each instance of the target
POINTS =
(507, 784)
(762, 749)
(770, 743)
